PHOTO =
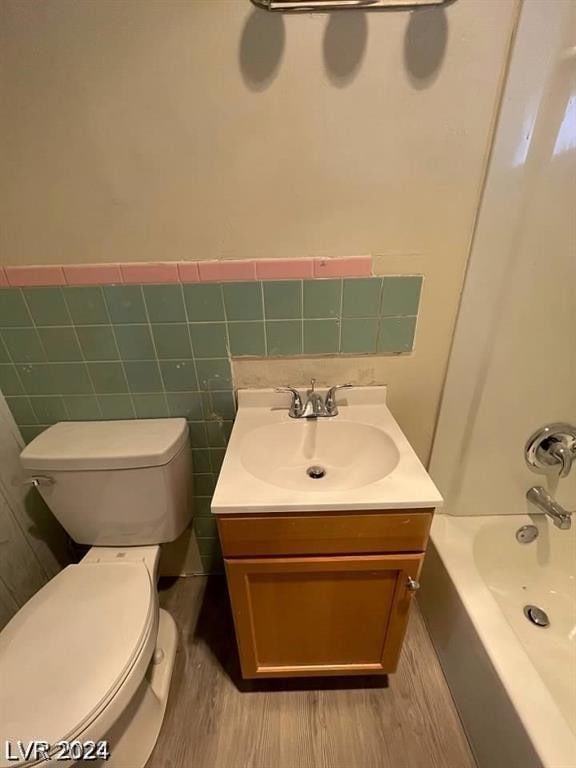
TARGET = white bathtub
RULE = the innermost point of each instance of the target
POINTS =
(514, 683)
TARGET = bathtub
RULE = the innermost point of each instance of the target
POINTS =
(514, 683)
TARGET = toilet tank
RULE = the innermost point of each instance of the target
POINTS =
(115, 483)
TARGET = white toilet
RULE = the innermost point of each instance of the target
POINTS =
(90, 656)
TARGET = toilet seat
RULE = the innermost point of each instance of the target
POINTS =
(69, 650)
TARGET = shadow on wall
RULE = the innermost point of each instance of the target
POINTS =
(345, 42)
(425, 45)
(264, 38)
(261, 48)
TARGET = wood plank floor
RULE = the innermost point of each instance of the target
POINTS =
(214, 720)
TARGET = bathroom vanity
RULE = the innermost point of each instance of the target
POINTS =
(322, 567)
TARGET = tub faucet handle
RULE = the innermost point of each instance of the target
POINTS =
(564, 456)
(552, 448)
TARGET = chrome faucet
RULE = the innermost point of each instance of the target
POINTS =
(552, 448)
(315, 406)
(540, 498)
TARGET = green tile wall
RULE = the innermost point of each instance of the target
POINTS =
(130, 351)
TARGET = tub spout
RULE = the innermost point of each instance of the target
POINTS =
(540, 497)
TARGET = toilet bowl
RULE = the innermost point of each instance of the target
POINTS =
(90, 656)
(61, 630)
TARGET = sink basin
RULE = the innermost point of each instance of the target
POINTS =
(357, 460)
(318, 455)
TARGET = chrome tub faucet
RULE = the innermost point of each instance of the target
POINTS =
(541, 499)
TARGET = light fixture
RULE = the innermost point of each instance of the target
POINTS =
(311, 6)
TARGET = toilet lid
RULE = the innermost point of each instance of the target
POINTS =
(69, 646)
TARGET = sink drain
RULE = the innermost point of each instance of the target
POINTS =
(316, 472)
(536, 615)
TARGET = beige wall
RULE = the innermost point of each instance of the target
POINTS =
(140, 130)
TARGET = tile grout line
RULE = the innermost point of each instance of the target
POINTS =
(195, 322)
(108, 361)
(193, 353)
(73, 326)
(380, 308)
(120, 360)
(341, 311)
(116, 394)
(14, 366)
(198, 383)
(264, 318)
(228, 354)
(417, 315)
(212, 321)
(135, 360)
(302, 316)
(156, 358)
(33, 320)
(230, 365)
(310, 278)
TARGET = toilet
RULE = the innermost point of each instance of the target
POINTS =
(90, 656)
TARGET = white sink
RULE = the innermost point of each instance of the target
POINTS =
(337, 453)
(362, 455)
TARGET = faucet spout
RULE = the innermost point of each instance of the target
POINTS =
(541, 499)
(314, 406)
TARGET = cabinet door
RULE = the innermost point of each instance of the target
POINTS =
(320, 615)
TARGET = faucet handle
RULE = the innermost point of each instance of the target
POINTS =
(296, 406)
(564, 456)
(330, 401)
(552, 448)
(287, 388)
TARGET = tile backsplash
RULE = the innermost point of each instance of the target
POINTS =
(150, 351)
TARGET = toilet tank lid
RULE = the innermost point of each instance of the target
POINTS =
(85, 445)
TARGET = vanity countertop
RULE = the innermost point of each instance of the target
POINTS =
(367, 461)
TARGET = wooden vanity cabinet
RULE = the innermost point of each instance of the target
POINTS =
(322, 593)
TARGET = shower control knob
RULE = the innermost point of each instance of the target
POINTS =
(552, 448)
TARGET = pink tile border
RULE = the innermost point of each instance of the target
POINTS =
(92, 274)
(223, 271)
(186, 271)
(285, 269)
(355, 266)
(150, 272)
(35, 275)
